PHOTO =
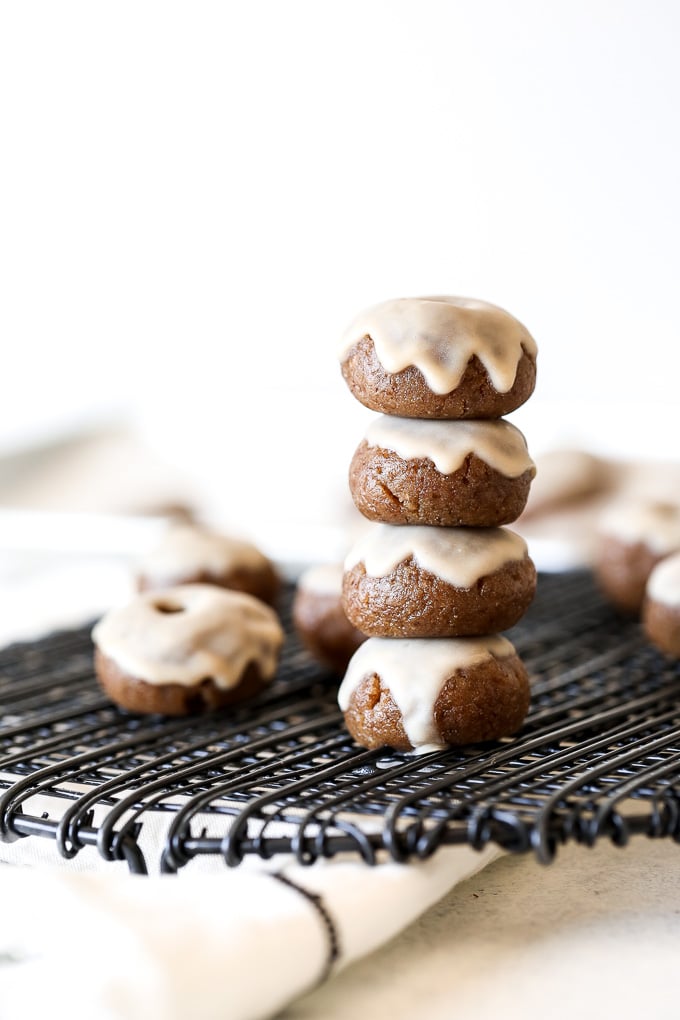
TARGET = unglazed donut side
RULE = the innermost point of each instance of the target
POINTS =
(136, 695)
(385, 488)
(407, 394)
(412, 602)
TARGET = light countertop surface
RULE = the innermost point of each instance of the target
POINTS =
(594, 934)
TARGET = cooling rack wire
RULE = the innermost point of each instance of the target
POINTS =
(598, 757)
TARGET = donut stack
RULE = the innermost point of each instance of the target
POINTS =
(436, 576)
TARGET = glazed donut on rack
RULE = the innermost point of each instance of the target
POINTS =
(634, 535)
(424, 694)
(189, 554)
(320, 620)
(661, 607)
(186, 649)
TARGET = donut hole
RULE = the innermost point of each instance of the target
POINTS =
(166, 606)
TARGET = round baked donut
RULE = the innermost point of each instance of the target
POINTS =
(320, 620)
(186, 649)
(439, 357)
(633, 537)
(437, 582)
(445, 473)
(188, 554)
(422, 694)
(566, 478)
(661, 608)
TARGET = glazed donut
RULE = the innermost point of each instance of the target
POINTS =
(188, 554)
(632, 538)
(439, 357)
(425, 694)
(186, 649)
(567, 478)
(661, 608)
(437, 582)
(320, 620)
(444, 473)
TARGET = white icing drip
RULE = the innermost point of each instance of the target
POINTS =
(457, 555)
(664, 582)
(447, 443)
(414, 670)
(439, 335)
(322, 579)
(656, 525)
(185, 551)
(216, 634)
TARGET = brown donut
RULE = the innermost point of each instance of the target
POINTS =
(137, 695)
(439, 357)
(411, 600)
(408, 395)
(320, 620)
(186, 649)
(466, 700)
(661, 608)
(189, 554)
(633, 538)
(438, 472)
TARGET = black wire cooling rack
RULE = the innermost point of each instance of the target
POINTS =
(599, 756)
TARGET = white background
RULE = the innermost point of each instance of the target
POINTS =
(197, 197)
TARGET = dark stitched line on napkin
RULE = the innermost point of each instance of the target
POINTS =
(329, 925)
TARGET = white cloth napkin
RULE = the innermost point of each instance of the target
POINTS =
(227, 946)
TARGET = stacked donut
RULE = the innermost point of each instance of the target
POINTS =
(437, 576)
